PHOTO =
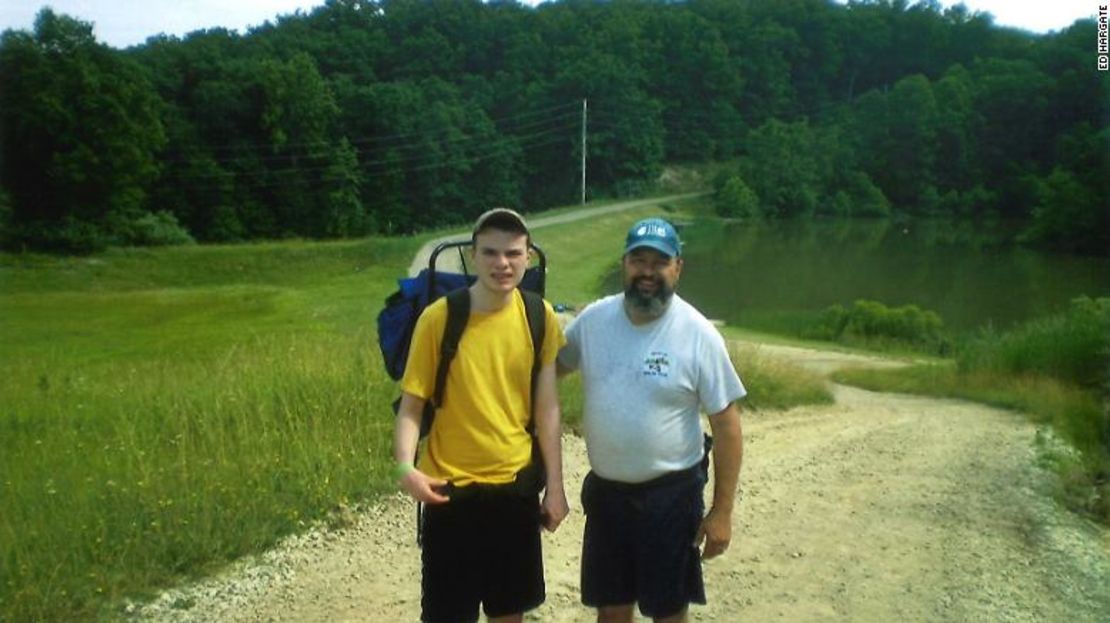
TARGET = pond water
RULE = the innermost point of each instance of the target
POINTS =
(779, 276)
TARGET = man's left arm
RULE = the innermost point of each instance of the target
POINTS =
(728, 454)
(550, 437)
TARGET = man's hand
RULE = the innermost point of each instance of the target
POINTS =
(715, 532)
(553, 510)
(422, 488)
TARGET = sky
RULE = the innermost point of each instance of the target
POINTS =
(122, 23)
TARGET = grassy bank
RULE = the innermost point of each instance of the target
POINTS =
(165, 411)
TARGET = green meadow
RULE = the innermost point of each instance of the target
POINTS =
(168, 410)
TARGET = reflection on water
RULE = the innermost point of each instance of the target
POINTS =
(779, 275)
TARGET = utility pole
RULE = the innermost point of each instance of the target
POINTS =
(583, 151)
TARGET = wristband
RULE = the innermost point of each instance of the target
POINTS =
(400, 470)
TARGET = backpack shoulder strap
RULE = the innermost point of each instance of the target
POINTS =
(537, 327)
(458, 311)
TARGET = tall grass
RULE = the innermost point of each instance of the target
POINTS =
(774, 383)
(167, 410)
(1073, 346)
(123, 477)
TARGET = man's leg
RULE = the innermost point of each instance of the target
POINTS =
(608, 565)
(512, 566)
(615, 614)
(448, 590)
(678, 617)
(624, 614)
(669, 574)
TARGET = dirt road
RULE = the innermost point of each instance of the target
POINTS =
(878, 508)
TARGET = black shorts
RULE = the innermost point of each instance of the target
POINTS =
(639, 543)
(481, 549)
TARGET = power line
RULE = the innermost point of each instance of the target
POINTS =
(419, 162)
(423, 142)
(388, 138)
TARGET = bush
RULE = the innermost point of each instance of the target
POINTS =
(1068, 216)
(5, 214)
(977, 200)
(875, 324)
(148, 230)
(82, 237)
(866, 198)
(69, 236)
(737, 199)
(1073, 346)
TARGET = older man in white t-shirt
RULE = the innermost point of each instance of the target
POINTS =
(651, 364)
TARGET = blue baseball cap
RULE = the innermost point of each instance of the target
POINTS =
(654, 233)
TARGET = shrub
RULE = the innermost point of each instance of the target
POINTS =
(737, 199)
(5, 214)
(867, 199)
(148, 230)
(1073, 346)
(69, 236)
(875, 324)
(1067, 216)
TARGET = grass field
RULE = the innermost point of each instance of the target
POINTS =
(168, 410)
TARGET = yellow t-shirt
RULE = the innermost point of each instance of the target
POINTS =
(479, 434)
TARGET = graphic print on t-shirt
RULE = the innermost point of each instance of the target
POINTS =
(657, 363)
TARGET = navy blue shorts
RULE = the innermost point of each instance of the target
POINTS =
(639, 542)
(482, 549)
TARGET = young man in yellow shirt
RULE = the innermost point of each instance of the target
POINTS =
(481, 537)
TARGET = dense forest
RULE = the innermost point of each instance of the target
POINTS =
(392, 116)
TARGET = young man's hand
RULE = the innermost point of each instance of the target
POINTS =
(553, 510)
(422, 488)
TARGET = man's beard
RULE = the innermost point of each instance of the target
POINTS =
(651, 305)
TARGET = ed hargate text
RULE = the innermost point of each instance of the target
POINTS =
(1103, 43)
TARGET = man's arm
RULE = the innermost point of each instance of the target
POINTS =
(549, 435)
(728, 454)
(406, 435)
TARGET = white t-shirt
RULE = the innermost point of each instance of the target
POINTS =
(644, 385)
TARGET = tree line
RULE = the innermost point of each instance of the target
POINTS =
(392, 116)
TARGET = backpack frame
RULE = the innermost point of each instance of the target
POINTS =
(531, 288)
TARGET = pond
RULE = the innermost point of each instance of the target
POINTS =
(779, 276)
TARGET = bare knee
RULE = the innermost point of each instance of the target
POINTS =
(678, 617)
(615, 614)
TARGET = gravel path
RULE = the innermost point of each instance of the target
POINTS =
(880, 507)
